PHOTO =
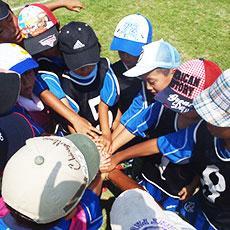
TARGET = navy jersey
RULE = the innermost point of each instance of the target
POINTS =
(212, 162)
(129, 87)
(88, 96)
(158, 169)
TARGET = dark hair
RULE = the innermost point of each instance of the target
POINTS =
(163, 71)
(28, 222)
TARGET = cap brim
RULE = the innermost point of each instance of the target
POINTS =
(210, 111)
(130, 47)
(174, 101)
(15, 130)
(137, 71)
(90, 152)
(4, 10)
(42, 42)
(9, 91)
(77, 60)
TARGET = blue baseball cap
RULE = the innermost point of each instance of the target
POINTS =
(158, 54)
(131, 33)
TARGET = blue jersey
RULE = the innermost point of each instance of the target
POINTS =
(39, 85)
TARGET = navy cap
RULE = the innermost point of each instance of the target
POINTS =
(79, 45)
(9, 90)
(4, 10)
(15, 129)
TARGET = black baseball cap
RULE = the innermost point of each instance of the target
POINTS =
(15, 129)
(10, 84)
(4, 10)
(79, 45)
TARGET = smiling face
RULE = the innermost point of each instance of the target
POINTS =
(158, 79)
(9, 30)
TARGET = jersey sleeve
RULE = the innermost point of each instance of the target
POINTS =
(110, 91)
(178, 147)
(39, 85)
(53, 83)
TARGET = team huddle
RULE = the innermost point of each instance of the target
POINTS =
(71, 120)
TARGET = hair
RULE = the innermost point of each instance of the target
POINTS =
(24, 220)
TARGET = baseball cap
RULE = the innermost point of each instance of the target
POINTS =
(38, 26)
(9, 90)
(131, 33)
(47, 177)
(158, 54)
(14, 57)
(136, 209)
(213, 103)
(15, 129)
(4, 10)
(79, 45)
(188, 81)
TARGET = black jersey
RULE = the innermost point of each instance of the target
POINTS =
(168, 176)
(129, 87)
(88, 96)
(214, 170)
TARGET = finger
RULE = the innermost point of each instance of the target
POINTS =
(93, 129)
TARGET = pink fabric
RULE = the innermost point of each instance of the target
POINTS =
(79, 220)
(3, 209)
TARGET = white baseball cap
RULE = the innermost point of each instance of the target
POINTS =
(158, 54)
(14, 57)
(47, 177)
(136, 209)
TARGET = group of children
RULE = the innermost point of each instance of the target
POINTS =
(171, 119)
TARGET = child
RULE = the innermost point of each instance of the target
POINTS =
(40, 31)
(197, 144)
(10, 31)
(66, 196)
(131, 33)
(83, 82)
(156, 66)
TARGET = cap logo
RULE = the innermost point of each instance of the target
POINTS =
(178, 104)
(49, 41)
(78, 45)
(185, 84)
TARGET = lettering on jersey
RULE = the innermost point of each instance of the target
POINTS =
(177, 103)
(213, 183)
(189, 207)
(1, 137)
(185, 84)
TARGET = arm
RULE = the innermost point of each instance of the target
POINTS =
(73, 5)
(79, 124)
(103, 110)
(117, 119)
(122, 138)
(122, 181)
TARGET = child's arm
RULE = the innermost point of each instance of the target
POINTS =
(187, 191)
(146, 148)
(103, 110)
(73, 5)
(80, 125)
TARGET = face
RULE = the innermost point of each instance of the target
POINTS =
(192, 115)
(9, 30)
(156, 80)
(129, 60)
(85, 70)
(27, 84)
(221, 132)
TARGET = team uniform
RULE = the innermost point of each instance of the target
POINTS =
(129, 87)
(211, 161)
(88, 216)
(86, 93)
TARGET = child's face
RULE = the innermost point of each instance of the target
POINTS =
(129, 60)
(85, 70)
(156, 80)
(9, 30)
(221, 132)
(27, 83)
